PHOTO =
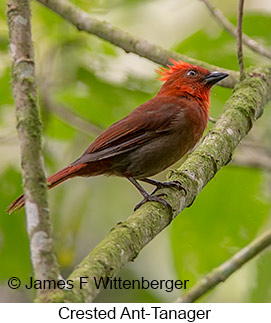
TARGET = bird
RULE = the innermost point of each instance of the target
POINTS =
(152, 137)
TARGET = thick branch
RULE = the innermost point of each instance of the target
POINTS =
(230, 28)
(83, 21)
(126, 240)
(29, 130)
(221, 273)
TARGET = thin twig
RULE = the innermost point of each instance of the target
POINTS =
(230, 28)
(221, 273)
(83, 21)
(29, 130)
(239, 39)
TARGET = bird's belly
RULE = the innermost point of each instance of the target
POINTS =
(151, 158)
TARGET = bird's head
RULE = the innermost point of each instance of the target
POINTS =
(184, 79)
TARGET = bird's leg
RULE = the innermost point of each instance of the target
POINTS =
(159, 185)
(147, 196)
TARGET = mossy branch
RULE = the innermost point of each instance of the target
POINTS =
(83, 21)
(29, 130)
(221, 273)
(126, 239)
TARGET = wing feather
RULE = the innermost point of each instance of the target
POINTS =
(140, 126)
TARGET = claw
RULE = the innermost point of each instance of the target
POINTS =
(151, 198)
(175, 184)
(147, 196)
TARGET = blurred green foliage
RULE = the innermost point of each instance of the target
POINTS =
(100, 83)
(13, 231)
(219, 224)
(216, 46)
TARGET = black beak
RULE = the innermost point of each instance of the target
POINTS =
(215, 77)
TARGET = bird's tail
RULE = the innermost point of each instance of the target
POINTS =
(52, 181)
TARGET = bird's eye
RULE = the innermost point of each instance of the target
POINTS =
(191, 73)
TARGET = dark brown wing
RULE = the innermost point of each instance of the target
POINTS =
(140, 126)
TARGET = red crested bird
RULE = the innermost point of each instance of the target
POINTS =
(152, 137)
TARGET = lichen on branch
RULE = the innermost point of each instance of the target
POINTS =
(29, 131)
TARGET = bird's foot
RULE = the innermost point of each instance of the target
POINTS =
(151, 198)
(175, 184)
